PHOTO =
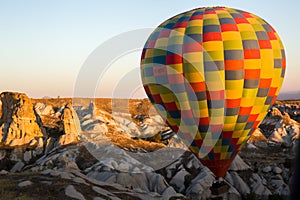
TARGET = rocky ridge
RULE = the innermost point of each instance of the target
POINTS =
(100, 154)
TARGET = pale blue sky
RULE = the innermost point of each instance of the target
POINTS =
(45, 43)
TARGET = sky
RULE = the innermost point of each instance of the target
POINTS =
(45, 45)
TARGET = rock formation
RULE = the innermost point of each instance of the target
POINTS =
(42, 109)
(287, 120)
(19, 124)
(257, 136)
(71, 126)
(113, 162)
(0, 108)
(276, 112)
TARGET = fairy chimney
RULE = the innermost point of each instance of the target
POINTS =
(71, 126)
(19, 124)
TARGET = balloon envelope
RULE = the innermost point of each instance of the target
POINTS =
(213, 72)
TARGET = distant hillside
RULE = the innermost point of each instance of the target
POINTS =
(289, 95)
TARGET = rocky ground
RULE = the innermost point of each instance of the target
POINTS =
(121, 149)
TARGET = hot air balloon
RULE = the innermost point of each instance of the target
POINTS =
(213, 72)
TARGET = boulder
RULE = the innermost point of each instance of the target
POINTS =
(3, 172)
(27, 156)
(277, 170)
(25, 183)
(250, 146)
(40, 146)
(267, 169)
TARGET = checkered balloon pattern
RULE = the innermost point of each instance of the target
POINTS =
(213, 72)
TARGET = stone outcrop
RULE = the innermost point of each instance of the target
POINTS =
(42, 109)
(287, 120)
(276, 112)
(19, 124)
(281, 126)
(71, 126)
(257, 135)
(0, 108)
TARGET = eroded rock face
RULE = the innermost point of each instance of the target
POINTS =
(19, 124)
(257, 136)
(71, 126)
(0, 108)
(276, 112)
